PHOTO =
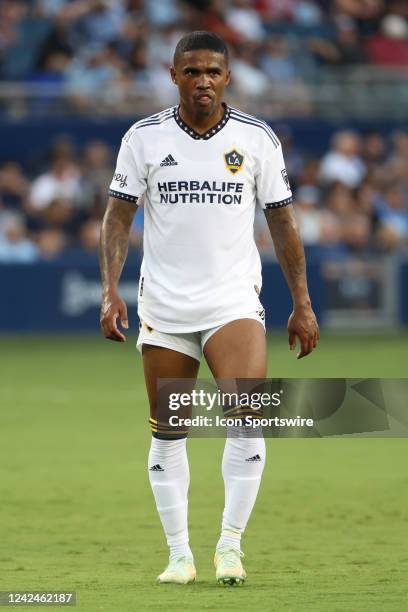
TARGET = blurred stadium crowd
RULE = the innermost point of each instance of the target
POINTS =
(113, 55)
(352, 201)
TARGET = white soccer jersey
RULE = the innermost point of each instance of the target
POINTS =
(201, 267)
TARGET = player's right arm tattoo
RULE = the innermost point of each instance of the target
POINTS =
(289, 251)
(114, 241)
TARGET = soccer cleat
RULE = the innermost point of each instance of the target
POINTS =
(228, 567)
(178, 571)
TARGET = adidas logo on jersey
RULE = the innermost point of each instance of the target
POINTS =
(169, 161)
(156, 468)
(254, 458)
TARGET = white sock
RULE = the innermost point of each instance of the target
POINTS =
(169, 477)
(242, 466)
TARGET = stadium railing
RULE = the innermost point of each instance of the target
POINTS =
(364, 91)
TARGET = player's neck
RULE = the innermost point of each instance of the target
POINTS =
(202, 123)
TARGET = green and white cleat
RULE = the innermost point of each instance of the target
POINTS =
(228, 567)
(178, 571)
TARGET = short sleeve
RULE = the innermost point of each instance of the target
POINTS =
(129, 180)
(272, 181)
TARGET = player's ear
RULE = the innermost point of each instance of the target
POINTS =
(228, 77)
(173, 74)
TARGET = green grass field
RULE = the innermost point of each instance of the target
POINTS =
(329, 532)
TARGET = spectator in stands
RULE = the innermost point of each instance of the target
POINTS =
(161, 44)
(343, 162)
(98, 22)
(322, 50)
(213, 20)
(163, 13)
(60, 215)
(89, 235)
(12, 14)
(345, 48)
(276, 61)
(247, 78)
(307, 13)
(50, 76)
(365, 201)
(52, 70)
(242, 17)
(356, 235)
(97, 169)
(392, 211)
(273, 11)
(309, 215)
(366, 13)
(339, 199)
(373, 150)
(349, 45)
(14, 187)
(398, 7)
(330, 236)
(51, 243)
(293, 159)
(390, 46)
(90, 76)
(15, 245)
(51, 8)
(397, 164)
(58, 40)
(62, 179)
(152, 85)
(9, 18)
(308, 172)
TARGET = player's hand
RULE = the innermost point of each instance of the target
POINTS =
(302, 324)
(112, 309)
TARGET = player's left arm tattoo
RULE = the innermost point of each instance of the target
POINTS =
(113, 250)
(289, 251)
(291, 256)
(114, 241)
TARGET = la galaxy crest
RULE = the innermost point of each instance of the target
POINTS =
(234, 160)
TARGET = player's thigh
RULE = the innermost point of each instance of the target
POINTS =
(237, 350)
(160, 362)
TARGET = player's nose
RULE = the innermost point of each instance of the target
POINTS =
(203, 82)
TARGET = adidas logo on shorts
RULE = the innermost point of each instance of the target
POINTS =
(261, 314)
(169, 161)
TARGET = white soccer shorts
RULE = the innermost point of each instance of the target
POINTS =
(192, 343)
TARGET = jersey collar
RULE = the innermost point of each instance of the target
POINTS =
(196, 135)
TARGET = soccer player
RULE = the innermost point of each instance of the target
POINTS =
(202, 168)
